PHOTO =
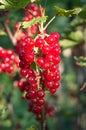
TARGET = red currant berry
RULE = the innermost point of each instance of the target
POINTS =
(39, 42)
(52, 91)
(29, 57)
(40, 62)
(37, 109)
(40, 93)
(55, 35)
(23, 72)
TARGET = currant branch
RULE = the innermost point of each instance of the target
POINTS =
(49, 22)
(9, 33)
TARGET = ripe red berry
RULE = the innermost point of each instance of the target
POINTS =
(50, 76)
(48, 84)
(29, 57)
(30, 72)
(46, 65)
(52, 91)
(39, 42)
(55, 35)
(40, 62)
(40, 102)
(46, 49)
(37, 109)
(23, 72)
(40, 93)
(31, 80)
(50, 111)
(50, 40)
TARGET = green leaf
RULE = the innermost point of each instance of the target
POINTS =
(83, 14)
(36, 1)
(33, 1)
(33, 21)
(76, 36)
(65, 43)
(67, 13)
(2, 32)
(13, 4)
(32, 128)
(81, 61)
(77, 22)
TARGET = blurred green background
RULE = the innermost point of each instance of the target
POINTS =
(70, 100)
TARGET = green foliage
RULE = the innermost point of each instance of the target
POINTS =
(5, 42)
(83, 97)
(65, 43)
(38, 1)
(77, 22)
(32, 128)
(76, 36)
(33, 21)
(2, 110)
(2, 32)
(83, 13)
(13, 4)
(67, 13)
(81, 61)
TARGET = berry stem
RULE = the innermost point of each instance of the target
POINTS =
(38, 72)
(41, 25)
(49, 22)
(43, 120)
(9, 33)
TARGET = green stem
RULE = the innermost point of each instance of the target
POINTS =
(49, 22)
(43, 119)
(9, 33)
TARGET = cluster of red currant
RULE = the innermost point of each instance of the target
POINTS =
(39, 60)
(7, 60)
(35, 98)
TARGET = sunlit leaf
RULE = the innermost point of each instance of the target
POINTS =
(78, 22)
(81, 61)
(32, 128)
(36, 0)
(76, 36)
(83, 14)
(65, 43)
(2, 32)
(13, 4)
(67, 13)
(33, 21)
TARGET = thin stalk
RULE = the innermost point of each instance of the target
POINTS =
(41, 25)
(9, 33)
(49, 22)
(83, 87)
(43, 119)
